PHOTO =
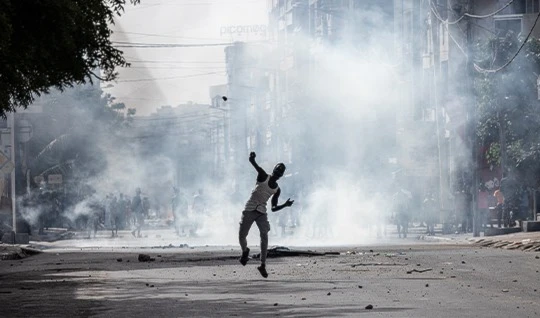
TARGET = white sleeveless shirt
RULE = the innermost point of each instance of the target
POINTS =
(259, 196)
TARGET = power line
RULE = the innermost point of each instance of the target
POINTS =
(167, 36)
(481, 70)
(438, 16)
(177, 62)
(120, 44)
(167, 78)
(175, 67)
(199, 3)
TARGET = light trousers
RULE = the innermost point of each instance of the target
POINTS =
(248, 217)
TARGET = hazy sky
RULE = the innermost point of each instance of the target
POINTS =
(170, 76)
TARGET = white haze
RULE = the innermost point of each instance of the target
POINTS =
(347, 194)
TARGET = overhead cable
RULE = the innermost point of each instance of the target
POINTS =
(481, 70)
(437, 14)
(165, 45)
(167, 78)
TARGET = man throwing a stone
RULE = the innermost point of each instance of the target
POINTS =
(255, 210)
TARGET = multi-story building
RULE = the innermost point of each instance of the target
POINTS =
(191, 135)
(250, 117)
(304, 35)
(434, 41)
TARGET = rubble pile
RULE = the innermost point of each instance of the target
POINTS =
(527, 245)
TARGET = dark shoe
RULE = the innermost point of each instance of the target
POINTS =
(245, 257)
(262, 270)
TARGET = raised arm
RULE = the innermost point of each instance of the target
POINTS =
(275, 199)
(262, 175)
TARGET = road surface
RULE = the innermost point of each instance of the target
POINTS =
(411, 279)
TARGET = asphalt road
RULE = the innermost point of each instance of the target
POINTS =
(451, 280)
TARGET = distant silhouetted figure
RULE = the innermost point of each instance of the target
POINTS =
(138, 213)
(255, 210)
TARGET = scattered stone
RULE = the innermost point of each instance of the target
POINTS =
(462, 262)
(303, 298)
(360, 286)
(151, 285)
(159, 255)
(118, 259)
(537, 257)
(145, 258)
(369, 307)
(328, 294)
(371, 251)
(275, 304)
(505, 290)
(427, 285)
(188, 295)
(514, 281)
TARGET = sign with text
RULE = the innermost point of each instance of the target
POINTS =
(244, 32)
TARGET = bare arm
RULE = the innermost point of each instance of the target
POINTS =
(275, 199)
(262, 175)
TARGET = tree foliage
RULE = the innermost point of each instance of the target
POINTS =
(54, 43)
(508, 108)
(73, 133)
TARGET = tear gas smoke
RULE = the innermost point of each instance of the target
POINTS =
(343, 137)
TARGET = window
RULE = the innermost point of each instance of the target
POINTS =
(502, 26)
(524, 6)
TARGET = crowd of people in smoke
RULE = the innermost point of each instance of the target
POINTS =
(313, 216)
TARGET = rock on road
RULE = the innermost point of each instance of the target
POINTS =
(430, 280)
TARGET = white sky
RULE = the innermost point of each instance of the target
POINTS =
(171, 76)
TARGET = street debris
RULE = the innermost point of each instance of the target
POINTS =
(9, 252)
(377, 264)
(171, 246)
(118, 259)
(282, 251)
(419, 270)
(145, 258)
(369, 307)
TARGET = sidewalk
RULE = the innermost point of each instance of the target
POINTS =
(14, 252)
(526, 241)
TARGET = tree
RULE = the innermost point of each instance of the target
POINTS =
(508, 107)
(54, 43)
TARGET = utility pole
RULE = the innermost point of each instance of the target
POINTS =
(12, 155)
(472, 123)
